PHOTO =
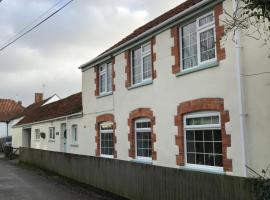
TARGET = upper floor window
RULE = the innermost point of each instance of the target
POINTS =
(141, 64)
(106, 139)
(143, 138)
(52, 133)
(105, 78)
(37, 133)
(198, 42)
(203, 140)
(74, 133)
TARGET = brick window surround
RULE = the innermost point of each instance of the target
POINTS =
(204, 104)
(97, 78)
(175, 50)
(128, 82)
(133, 116)
(99, 120)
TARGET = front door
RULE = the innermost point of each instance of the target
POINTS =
(64, 137)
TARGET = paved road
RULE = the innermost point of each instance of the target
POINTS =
(20, 183)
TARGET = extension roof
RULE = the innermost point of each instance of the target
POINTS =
(10, 109)
(67, 106)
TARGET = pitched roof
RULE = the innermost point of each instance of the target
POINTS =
(67, 106)
(9, 109)
(155, 22)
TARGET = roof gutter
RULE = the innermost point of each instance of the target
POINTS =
(48, 120)
(107, 55)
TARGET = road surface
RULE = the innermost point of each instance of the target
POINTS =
(21, 183)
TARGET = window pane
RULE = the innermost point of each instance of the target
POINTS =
(217, 135)
(191, 147)
(202, 120)
(199, 159)
(191, 158)
(136, 66)
(209, 159)
(218, 161)
(146, 48)
(199, 147)
(144, 144)
(147, 67)
(208, 135)
(199, 135)
(218, 147)
(207, 19)
(207, 45)
(189, 46)
(190, 135)
(209, 147)
(102, 81)
(106, 144)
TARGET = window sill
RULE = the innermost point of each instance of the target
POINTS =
(213, 170)
(104, 94)
(106, 156)
(149, 82)
(51, 141)
(201, 67)
(143, 161)
(74, 145)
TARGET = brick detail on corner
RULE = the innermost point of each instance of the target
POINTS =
(99, 120)
(136, 114)
(204, 104)
(218, 10)
(176, 49)
(128, 66)
(97, 80)
(154, 57)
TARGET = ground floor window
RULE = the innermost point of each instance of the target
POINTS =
(74, 133)
(143, 138)
(52, 133)
(203, 139)
(37, 133)
(106, 139)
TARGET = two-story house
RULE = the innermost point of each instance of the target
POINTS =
(176, 93)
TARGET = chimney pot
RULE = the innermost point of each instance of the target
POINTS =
(38, 97)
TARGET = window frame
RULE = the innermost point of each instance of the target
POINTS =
(74, 140)
(52, 137)
(105, 72)
(139, 120)
(199, 30)
(201, 127)
(143, 55)
(37, 133)
(100, 139)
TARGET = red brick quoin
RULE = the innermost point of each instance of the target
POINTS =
(175, 50)
(136, 114)
(99, 120)
(128, 69)
(204, 104)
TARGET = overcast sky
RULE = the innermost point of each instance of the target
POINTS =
(51, 53)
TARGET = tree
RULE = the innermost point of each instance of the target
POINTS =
(252, 17)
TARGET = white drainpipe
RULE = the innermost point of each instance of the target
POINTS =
(241, 94)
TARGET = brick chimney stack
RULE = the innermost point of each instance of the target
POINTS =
(38, 97)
